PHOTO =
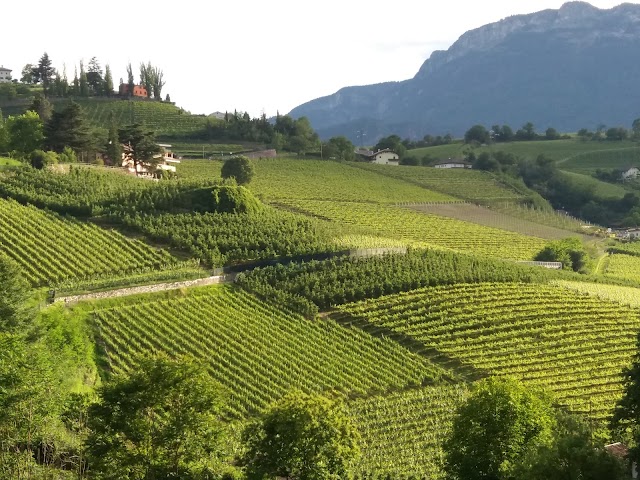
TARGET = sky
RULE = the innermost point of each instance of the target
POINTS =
(251, 55)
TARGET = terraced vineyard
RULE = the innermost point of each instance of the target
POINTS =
(423, 230)
(255, 351)
(163, 118)
(51, 248)
(614, 159)
(472, 185)
(625, 295)
(280, 179)
(626, 267)
(402, 433)
(572, 344)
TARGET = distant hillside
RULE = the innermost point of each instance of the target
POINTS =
(569, 68)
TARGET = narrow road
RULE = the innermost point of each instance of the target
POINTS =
(158, 287)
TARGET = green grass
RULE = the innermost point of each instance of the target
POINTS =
(600, 188)
(617, 159)
(557, 150)
(9, 162)
(572, 344)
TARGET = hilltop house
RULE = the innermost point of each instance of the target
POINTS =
(381, 157)
(452, 163)
(166, 161)
(5, 75)
(138, 91)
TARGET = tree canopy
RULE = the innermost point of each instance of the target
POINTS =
(240, 168)
(160, 421)
(500, 424)
(301, 437)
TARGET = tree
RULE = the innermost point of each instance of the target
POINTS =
(477, 134)
(83, 88)
(94, 77)
(130, 80)
(68, 128)
(551, 134)
(146, 73)
(25, 133)
(392, 142)
(40, 159)
(27, 74)
(569, 251)
(301, 437)
(626, 416)
(527, 132)
(159, 421)
(141, 145)
(15, 294)
(42, 106)
(113, 148)
(240, 168)
(573, 454)
(45, 73)
(499, 425)
(635, 129)
(108, 81)
(341, 148)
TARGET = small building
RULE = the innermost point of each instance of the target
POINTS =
(165, 161)
(218, 115)
(138, 91)
(380, 157)
(629, 173)
(5, 75)
(452, 163)
(621, 451)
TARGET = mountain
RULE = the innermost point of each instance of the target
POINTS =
(569, 68)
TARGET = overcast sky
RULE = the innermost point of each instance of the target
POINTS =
(249, 55)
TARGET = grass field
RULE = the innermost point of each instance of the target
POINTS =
(601, 189)
(558, 150)
(9, 162)
(617, 159)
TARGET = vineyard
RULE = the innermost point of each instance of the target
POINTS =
(472, 185)
(402, 433)
(222, 238)
(315, 285)
(163, 118)
(52, 249)
(572, 344)
(280, 179)
(625, 295)
(614, 159)
(256, 351)
(423, 230)
(626, 267)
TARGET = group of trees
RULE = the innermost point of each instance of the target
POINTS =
(612, 133)
(478, 134)
(89, 81)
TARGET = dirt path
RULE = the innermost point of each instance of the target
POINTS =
(158, 287)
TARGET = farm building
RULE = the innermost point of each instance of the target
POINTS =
(452, 163)
(138, 90)
(5, 75)
(166, 161)
(629, 172)
(381, 157)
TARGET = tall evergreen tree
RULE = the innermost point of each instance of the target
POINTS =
(108, 81)
(94, 77)
(141, 145)
(130, 80)
(113, 148)
(45, 73)
(68, 128)
(75, 90)
(84, 84)
(42, 107)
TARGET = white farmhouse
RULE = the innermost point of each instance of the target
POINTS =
(383, 157)
(629, 172)
(166, 161)
(5, 75)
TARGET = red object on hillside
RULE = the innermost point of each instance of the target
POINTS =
(138, 90)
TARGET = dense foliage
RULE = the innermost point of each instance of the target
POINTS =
(240, 168)
(322, 284)
(301, 437)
